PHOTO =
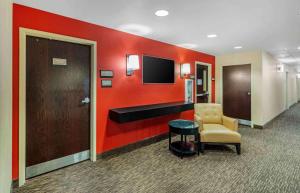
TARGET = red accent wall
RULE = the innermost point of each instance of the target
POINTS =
(112, 48)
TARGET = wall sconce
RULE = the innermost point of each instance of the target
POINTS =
(185, 69)
(133, 63)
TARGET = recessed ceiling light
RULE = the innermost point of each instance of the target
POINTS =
(288, 60)
(237, 47)
(298, 48)
(161, 13)
(212, 35)
(188, 45)
(135, 29)
(283, 55)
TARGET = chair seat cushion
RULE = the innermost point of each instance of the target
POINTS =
(219, 134)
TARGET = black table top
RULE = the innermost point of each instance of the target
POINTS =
(183, 127)
(183, 124)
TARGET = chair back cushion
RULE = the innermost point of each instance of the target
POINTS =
(210, 113)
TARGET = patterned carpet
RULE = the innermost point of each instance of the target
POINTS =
(269, 163)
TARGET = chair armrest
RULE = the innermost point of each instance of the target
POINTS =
(230, 123)
(198, 119)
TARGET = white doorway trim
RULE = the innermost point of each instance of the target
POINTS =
(22, 92)
(209, 80)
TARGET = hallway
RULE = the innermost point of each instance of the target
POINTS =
(269, 163)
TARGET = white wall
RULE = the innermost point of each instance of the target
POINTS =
(254, 58)
(292, 91)
(298, 88)
(268, 87)
(273, 97)
(5, 95)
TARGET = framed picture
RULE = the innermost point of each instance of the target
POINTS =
(106, 74)
(106, 83)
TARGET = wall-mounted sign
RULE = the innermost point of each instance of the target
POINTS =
(106, 83)
(199, 82)
(280, 68)
(189, 90)
(106, 74)
(59, 61)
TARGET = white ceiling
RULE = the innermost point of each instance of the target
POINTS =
(271, 25)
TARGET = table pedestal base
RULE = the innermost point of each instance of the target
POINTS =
(183, 148)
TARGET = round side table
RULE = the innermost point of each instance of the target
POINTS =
(184, 128)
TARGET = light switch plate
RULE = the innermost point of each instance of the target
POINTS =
(106, 74)
(106, 83)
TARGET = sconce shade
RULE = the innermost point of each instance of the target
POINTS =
(185, 69)
(133, 63)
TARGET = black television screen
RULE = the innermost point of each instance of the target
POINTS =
(158, 70)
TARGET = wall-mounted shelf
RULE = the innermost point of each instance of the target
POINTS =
(128, 114)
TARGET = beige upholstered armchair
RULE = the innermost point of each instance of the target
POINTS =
(215, 127)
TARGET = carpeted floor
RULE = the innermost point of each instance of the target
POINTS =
(269, 163)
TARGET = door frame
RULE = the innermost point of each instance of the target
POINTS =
(23, 33)
(241, 121)
(287, 106)
(209, 80)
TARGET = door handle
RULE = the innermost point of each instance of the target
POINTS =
(249, 93)
(86, 100)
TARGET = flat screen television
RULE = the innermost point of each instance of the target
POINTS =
(158, 70)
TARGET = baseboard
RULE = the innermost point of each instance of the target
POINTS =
(244, 122)
(269, 122)
(15, 183)
(294, 104)
(258, 126)
(132, 146)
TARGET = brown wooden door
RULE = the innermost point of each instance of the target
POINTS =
(57, 122)
(237, 91)
(202, 84)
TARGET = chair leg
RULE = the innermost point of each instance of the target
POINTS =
(238, 149)
(181, 147)
(201, 147)
(170, 140)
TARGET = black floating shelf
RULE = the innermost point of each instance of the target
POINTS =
(128, 114)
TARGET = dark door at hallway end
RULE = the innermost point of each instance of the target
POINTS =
(202, 90)
(57, 104)
(237, 91)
